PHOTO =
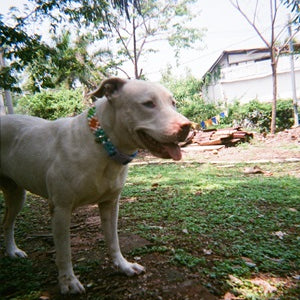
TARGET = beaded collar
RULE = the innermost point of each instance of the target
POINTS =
(103, 139)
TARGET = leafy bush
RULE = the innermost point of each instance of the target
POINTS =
(51, 104)
(186, 92)
(284, 114)
(257, 115)
(197, 110)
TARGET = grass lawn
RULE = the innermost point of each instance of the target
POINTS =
(237, 233)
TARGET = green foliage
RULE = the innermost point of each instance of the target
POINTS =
(183, 258)
(186, 92)
(284, 114)
(184, 89)
(22, 270)
(257, 115)
(197, 110)
(294, 6)
(20, 46)
(68, 63)
(52, 104)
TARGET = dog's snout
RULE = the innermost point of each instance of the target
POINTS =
(183, 131)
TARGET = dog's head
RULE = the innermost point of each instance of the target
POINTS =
(147, 110)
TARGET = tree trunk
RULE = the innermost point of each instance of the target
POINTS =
(274, 81)
(7, 94)
(2, 106)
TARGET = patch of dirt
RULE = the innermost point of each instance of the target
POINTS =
(162, 279)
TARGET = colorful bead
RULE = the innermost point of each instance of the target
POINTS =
(102, 138)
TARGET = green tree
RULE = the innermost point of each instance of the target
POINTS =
(158, 20)
(186, 91)
(19, 46)
(67, 63)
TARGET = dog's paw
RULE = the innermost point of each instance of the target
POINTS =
(16, 253)
(131, 269)
(70, 285)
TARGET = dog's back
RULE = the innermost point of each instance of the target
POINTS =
(26, 143)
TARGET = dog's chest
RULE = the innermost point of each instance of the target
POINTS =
(101, 185)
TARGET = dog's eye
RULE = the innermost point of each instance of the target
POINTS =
(173, 103)
(149, 104)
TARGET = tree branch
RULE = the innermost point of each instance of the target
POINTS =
(237, 6)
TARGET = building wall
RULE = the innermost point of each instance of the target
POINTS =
(253, 80)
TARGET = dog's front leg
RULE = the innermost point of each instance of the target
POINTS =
(61, 218)
(109, 218)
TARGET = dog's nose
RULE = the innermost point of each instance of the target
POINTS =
(183, 132)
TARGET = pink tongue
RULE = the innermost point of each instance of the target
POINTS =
(173, 150)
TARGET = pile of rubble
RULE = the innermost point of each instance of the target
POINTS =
(227, 137)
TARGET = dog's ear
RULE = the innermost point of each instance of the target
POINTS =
(108, 87)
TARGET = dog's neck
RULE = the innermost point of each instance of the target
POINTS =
(102, 138)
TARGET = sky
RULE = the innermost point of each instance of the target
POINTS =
(226, 30)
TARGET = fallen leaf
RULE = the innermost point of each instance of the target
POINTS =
(256, 170)
(229, 296)
(235, 280)
(267, 287)
(154, 186)
(45, 296)
(207, 251)
(279, 234)
(249, 262)
(253, 170)
(198, 193)
(292, 209)
(81, 259)
(90, 284)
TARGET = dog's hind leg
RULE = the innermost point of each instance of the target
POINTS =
(14, 199)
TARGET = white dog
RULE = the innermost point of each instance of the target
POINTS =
(76, 161)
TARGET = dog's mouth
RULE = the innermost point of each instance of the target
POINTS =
(162, 150)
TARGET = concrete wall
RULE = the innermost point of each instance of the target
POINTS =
(253, 80)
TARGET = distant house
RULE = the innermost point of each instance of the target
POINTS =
(246, 74)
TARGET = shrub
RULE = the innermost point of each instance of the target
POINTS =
(197, 110)
(284, 114)
(186, 92)
(51, 104)
(257, 115)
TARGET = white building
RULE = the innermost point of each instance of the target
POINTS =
(246, 74)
